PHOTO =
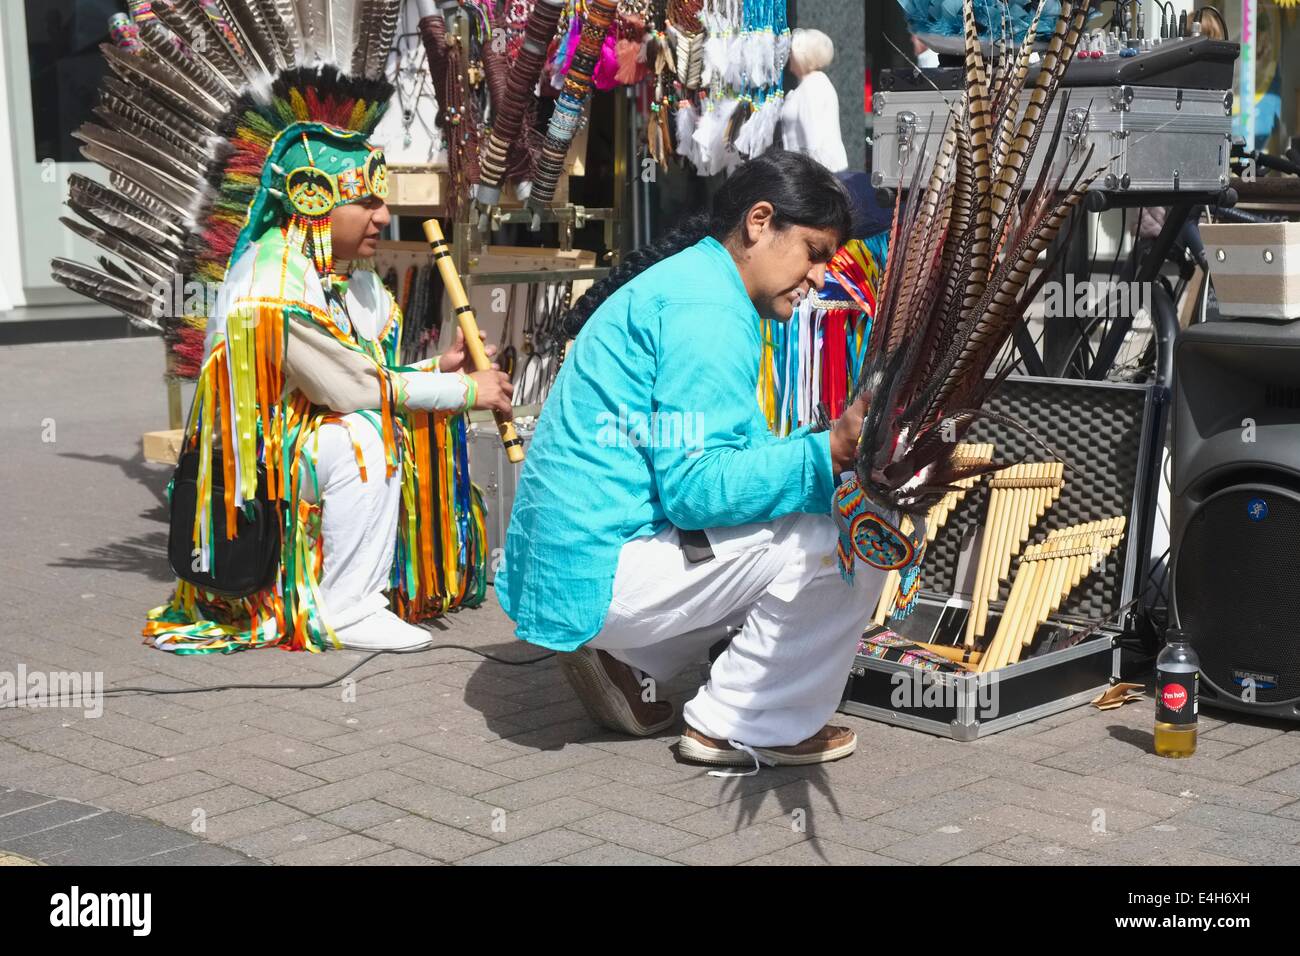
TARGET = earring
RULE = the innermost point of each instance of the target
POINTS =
(322, 245)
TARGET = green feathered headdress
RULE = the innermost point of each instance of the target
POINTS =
(291, 158)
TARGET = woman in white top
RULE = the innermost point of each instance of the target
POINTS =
(810, 116)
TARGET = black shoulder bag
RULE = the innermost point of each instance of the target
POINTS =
(242, 565)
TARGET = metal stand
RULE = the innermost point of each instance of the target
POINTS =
(1164, 319)
(175, 415)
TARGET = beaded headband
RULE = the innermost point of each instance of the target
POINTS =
(311, 190)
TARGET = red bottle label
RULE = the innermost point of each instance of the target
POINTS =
(1176, 697)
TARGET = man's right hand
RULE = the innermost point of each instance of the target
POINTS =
(494, 390)
(845, 433)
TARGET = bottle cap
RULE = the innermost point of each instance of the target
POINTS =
(1175, 635)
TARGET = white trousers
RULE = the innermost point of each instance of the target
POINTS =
(358, 531)
(782, 676)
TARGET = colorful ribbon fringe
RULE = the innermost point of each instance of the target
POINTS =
(440, 557)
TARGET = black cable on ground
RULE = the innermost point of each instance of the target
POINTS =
(333, 680)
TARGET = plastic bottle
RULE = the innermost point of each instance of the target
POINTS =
(1178, 677)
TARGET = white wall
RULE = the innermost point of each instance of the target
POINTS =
(11, 281)
(32, 193)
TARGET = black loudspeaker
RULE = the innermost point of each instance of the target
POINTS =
(1235, 522)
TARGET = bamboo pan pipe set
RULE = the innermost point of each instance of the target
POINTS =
(1048, 571)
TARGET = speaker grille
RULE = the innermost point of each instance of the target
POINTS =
(1281, 396)
(1237, 590)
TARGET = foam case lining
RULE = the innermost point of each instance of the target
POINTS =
(1098, 429)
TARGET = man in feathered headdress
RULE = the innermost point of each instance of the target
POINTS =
(305, 429)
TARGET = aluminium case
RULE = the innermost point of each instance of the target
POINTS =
(1151, 139)
(496, 475)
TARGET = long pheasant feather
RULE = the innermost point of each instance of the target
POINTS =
(1060, 50)
(964, 248)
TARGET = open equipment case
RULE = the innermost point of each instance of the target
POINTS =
(1103, 431)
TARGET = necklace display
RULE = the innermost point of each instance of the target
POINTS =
(420, 299)
(515, 103)
(411, 80)
(741, 54)
(409, 128)
(543, 342)
(487, 85)
(458, 114)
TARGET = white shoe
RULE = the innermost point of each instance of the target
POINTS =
(383, 631)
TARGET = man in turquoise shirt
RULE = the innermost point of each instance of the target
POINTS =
(653, 431)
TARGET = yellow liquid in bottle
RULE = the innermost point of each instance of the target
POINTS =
(1175, 740)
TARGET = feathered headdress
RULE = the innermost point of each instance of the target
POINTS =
(217, 119)
(963, 246)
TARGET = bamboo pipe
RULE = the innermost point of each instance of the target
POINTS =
(934, 521)
(1017, 530)
(1006, 624)
(1012, 499)
(996, 496)
(1039, 501)
(1082, 565)
(1065, 553)
(1106, 538)
(1033, 579)
(469, 326)
(1078, 563)
(1008, 530)
(954, 653)
(1060, 584)
(1048, 573)
(1020, 614)
(1011, 530)
(1040, 497)
(1015, 600)
(1026, 614)
(1048, 581)
(1019, 496)
(1103, 538)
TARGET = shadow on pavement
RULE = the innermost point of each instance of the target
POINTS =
(558, 720)
(141, 553)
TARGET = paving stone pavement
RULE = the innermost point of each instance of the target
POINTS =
(446, 758)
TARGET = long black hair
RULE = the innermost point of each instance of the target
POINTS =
(801, 190)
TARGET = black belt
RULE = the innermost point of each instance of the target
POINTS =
(695, 545)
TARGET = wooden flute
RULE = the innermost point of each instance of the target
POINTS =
(469, 326)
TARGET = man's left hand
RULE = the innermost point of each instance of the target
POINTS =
(456, 357)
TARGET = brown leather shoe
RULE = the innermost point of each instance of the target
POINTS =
(829, 743)
(611, 693)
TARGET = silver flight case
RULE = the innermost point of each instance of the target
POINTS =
(495, 474)
(1151, 139)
